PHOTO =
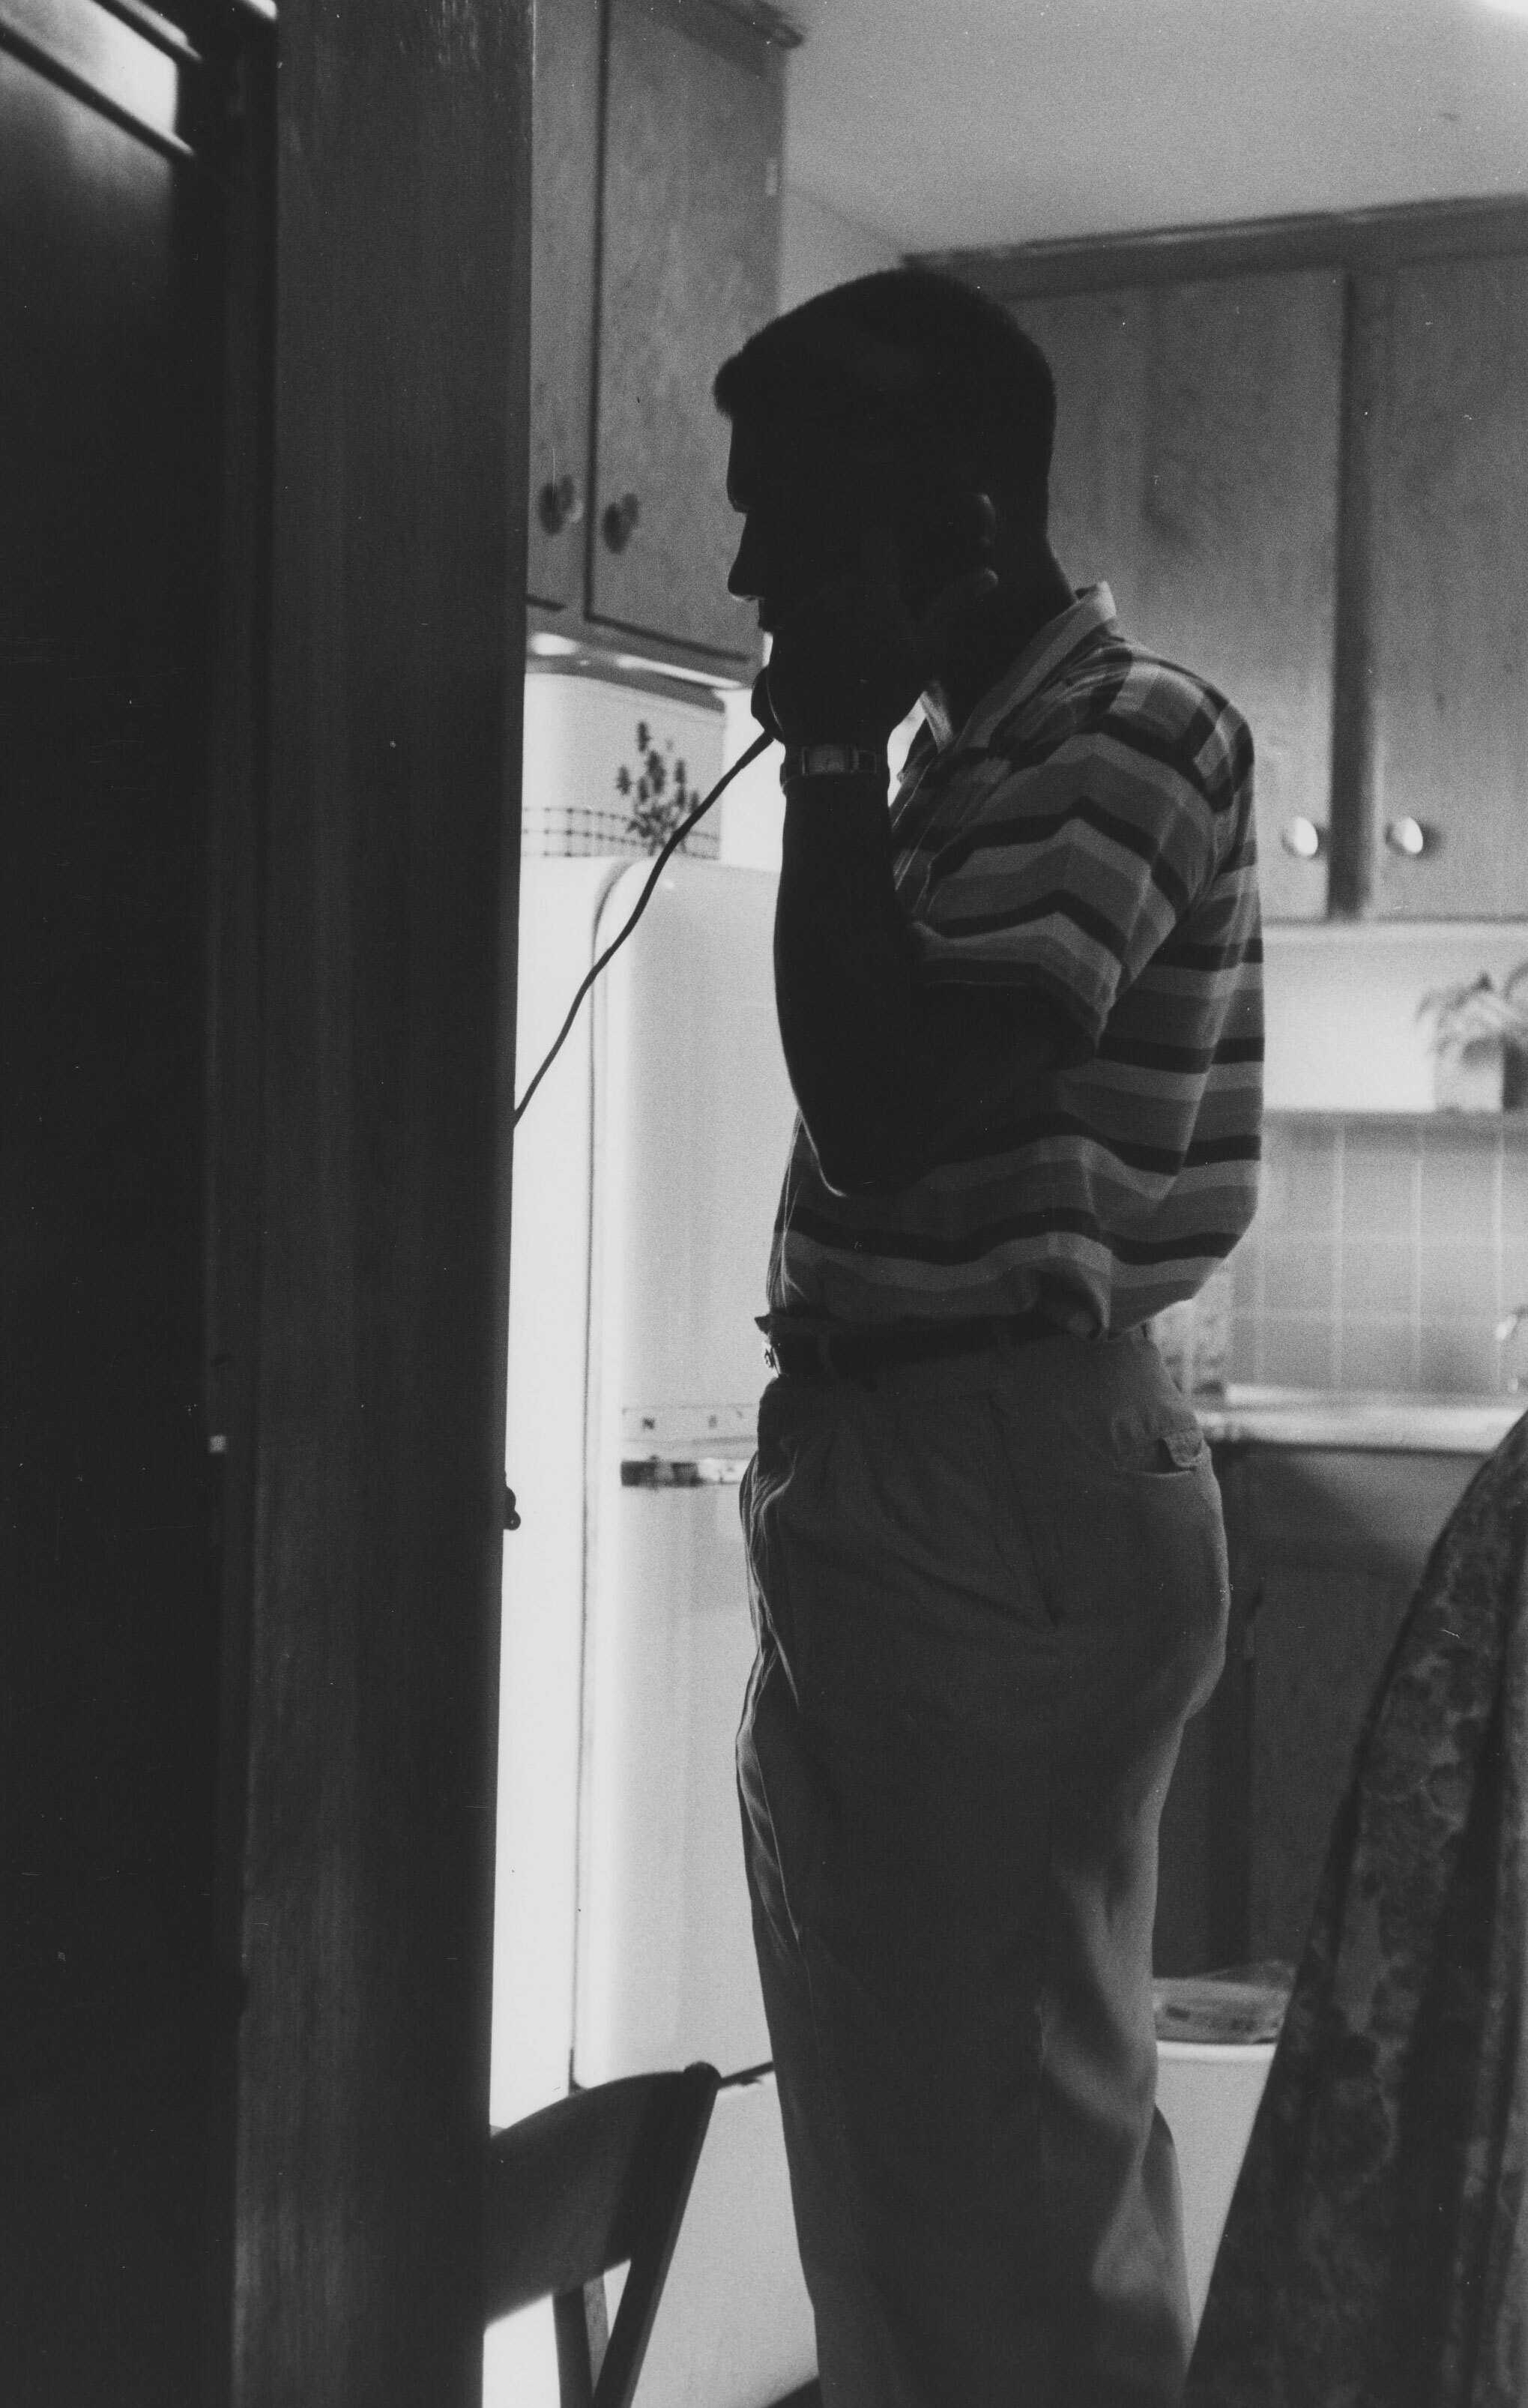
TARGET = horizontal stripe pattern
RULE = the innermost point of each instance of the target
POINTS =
(1089, 835)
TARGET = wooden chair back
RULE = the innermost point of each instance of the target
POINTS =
(592, 2182)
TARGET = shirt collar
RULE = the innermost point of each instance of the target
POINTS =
(1090, 616)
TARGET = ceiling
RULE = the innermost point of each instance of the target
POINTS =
(954, 123)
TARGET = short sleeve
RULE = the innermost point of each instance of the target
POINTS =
(1072, 873)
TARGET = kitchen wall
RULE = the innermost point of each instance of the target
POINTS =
(1343, 1028)
(1390, 1238)
(1385, 1249)
(821, 247)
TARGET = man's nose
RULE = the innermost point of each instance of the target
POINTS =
(745, 578)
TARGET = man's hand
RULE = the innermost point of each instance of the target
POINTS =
(849, 664)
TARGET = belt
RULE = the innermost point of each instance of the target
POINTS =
(859, 1353)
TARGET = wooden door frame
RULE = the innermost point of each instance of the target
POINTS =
(377, 858)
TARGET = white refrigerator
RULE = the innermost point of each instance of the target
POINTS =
(647, 1171)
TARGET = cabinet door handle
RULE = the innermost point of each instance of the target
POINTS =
(1411, 838)
(618, 521)
(558, 504)
(1304, 838)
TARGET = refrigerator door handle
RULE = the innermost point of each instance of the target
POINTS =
(683, 1471)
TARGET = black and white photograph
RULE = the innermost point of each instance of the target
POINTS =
(763, 1204)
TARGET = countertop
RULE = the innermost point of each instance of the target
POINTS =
(684, 1449)
(1380, 1422)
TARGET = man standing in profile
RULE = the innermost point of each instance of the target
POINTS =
(1022, 1015)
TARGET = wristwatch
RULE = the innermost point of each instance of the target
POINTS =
(830, 761)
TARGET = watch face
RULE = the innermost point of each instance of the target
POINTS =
(829, 761)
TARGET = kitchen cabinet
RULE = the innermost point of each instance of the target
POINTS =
(655, 255)
(1296, 452)
(1341, 1540)
(1196, 470)
(1449, 602)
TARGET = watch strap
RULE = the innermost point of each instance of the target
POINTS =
(830, 761)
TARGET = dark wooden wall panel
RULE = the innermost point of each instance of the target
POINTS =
(398, 565)
(109, 359)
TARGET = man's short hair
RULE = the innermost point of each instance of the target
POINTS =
(907, 363)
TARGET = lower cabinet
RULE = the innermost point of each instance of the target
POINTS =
(1327, 1547)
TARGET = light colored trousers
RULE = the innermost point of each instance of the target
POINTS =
(987, 1592)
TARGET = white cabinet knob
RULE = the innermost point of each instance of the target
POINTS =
(1304, 838)
(1410, 839)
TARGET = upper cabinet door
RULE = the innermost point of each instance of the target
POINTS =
(1450, 597)
(565, 188)
(689, 245)
(1196, 471)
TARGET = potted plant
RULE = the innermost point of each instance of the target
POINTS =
(1480, 1043)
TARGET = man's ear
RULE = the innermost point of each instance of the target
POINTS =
(958, 525)
(961, 536)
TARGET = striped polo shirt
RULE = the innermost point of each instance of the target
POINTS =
(1089, 835)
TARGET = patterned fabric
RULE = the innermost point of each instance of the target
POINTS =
(1376, 2254)
(1089, 835)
